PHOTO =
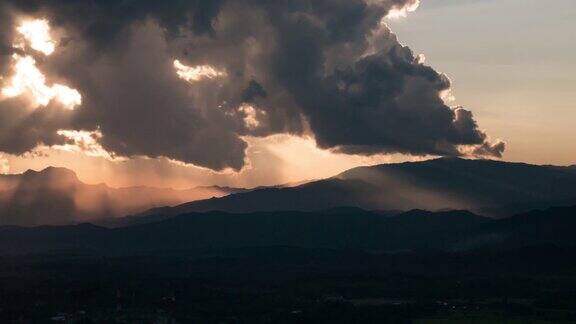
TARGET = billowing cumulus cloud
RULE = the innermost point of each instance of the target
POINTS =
(188, 80)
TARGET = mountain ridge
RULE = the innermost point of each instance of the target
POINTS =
(494, 188)
(338, 229)
(335, 228)
(489, 187)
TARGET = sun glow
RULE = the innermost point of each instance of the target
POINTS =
(196, 73)
(28, 79)
(37, 33)
(84, 142)
(250, 116)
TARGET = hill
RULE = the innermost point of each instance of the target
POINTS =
(487, 187)
(334, 229)
(552, 226)
(341, 228)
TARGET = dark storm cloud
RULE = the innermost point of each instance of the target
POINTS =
(6, 25)
(21, 129)
(325, 65)
(490, 149)
(254, 90)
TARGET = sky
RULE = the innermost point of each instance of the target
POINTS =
(512, 62)
(248, 93)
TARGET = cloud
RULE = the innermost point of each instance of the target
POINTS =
(174, 79)
(196, 73)
(37, 33)
(23, 127)
(84, 142)
(28, 79)
(490, 149)
(4, 165)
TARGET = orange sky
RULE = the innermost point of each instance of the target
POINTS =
(278, 159)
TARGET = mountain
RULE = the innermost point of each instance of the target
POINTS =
(57, 196)
(552, 226)
(334, 229)
(491, 188)
(340, 228)
(570, 168)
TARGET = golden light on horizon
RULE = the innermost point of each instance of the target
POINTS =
(37, 33)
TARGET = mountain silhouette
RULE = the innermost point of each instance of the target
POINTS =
(336, 229)
(340, 228)
(57, 196)
(552, 226)
(491, 188)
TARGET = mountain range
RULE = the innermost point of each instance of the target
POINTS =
(338, 229)
(447, 205)
(57, 196)
(486, 187)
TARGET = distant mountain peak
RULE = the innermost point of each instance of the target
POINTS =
(55, 173)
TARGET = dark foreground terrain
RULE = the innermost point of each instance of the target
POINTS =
(335, 266)
(291, 285)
